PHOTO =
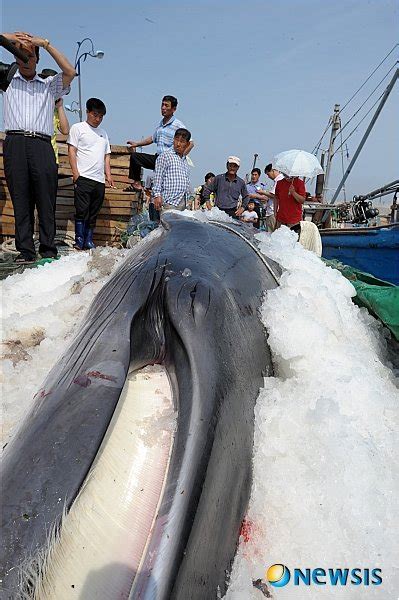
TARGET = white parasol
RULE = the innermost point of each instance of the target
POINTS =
(297, 163)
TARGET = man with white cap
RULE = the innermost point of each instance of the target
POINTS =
(228, 188)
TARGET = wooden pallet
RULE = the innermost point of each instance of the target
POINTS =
(114, 215)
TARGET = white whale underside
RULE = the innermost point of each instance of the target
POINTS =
(102, 539)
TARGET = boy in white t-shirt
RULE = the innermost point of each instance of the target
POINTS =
(89, 155)
(249, 215)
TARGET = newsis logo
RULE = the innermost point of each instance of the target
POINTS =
(279, 575)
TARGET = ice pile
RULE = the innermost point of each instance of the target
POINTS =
(325, 466)
(41, 312)
(215, 214)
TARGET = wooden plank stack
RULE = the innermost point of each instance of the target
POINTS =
(114, 215)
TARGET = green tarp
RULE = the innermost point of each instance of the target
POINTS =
(379, 297)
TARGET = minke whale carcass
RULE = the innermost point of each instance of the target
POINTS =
(131, 476)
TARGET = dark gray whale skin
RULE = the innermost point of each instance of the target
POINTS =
(187, 298)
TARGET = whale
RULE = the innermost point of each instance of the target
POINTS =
(182, 311)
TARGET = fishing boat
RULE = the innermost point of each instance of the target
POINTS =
(352, 232)
(373, 250)
(359, 241)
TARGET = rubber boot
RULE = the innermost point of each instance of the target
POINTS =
(88, 237)
(79, 235)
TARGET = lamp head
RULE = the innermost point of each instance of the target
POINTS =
(99, 54)
(70, 107)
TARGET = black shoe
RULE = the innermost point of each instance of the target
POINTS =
(133, 188)
(48, 255)
(24, 260)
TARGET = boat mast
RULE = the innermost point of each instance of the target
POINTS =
(320, 178)
(335, 125)
(366, 135)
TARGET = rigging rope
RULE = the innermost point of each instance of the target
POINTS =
(368, 98)
(317, 147)
(361, 121)
(369, 77)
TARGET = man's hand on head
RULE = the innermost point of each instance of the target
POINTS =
(28, 40)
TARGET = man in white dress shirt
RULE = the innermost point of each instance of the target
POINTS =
(29, 160)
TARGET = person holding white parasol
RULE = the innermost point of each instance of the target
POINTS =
(290, 191)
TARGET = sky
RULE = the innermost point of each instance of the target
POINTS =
(259, 77)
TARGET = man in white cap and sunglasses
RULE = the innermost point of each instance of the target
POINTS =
(228, 188)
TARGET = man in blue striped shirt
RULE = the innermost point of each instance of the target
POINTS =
(172, 180)
(163, 137)
(29, 160)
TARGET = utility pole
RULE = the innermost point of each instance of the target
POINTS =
(335, 126)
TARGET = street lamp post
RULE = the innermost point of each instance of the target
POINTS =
(94, 54)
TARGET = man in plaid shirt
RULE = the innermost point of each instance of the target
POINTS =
(171, 180)
(162, 137)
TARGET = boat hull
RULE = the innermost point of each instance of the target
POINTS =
(373, 250)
